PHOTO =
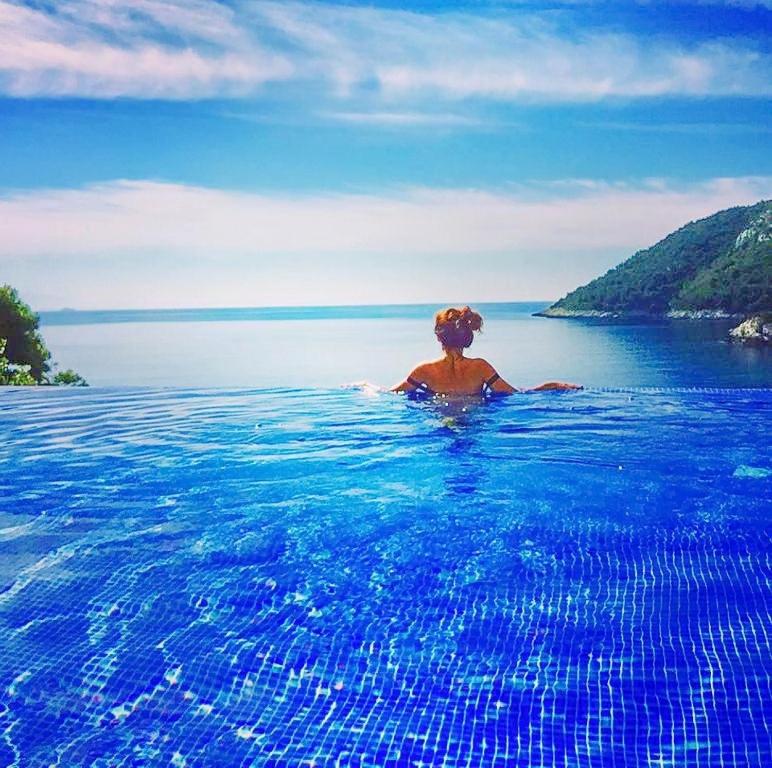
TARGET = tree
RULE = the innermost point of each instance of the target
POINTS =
(68, 378)
(19, 327)
(17, 375)
(24, 358)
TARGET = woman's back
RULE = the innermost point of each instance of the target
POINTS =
(454, 374)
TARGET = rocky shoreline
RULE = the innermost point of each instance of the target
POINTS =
(757, 329)
(704, 314)
(753, 329)
(560, 312)
(674, 314)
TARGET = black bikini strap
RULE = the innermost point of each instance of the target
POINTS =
(491, 381)
(417, 384)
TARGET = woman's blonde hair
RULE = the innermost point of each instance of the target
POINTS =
(456, 327)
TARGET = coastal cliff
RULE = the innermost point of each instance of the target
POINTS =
(717, 267)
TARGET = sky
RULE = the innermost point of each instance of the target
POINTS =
(205, 153)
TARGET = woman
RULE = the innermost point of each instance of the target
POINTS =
(454, 374)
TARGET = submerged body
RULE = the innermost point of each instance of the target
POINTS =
(454, 374)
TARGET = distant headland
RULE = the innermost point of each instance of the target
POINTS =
(717, 267)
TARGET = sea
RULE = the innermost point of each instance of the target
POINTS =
(328, 347)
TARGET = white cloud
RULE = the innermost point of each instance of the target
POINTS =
(201, 48)
(134, 217)
(507, 57)
(150, 244)
(143, 48)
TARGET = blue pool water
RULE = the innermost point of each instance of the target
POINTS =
(344, 578)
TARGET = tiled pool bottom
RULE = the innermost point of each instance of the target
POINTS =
(237, 578)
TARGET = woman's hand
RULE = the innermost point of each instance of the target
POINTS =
(551, 385)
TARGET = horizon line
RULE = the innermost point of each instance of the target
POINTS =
(294, 306)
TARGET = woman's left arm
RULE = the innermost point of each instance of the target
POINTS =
(552, 385)
(493, 382)
(503, 387)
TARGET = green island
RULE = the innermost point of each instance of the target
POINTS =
(717, 267)
(24, 357)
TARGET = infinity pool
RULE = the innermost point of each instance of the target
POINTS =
(344, 578)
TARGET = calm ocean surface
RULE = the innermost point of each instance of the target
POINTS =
(331, 346)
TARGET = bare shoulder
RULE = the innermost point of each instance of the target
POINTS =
(483, 366)
(422, 369)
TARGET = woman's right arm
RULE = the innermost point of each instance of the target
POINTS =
(407, 385)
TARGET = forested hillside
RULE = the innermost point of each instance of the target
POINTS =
(721, 263)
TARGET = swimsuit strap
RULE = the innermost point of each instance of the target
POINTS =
(420, 386)
(488, 385)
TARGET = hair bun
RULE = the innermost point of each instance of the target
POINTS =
(471, 319)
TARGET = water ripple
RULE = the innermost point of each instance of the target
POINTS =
(344, 578)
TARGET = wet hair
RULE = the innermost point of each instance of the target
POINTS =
(455, 327)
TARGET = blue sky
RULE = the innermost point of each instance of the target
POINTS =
(201, 153)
